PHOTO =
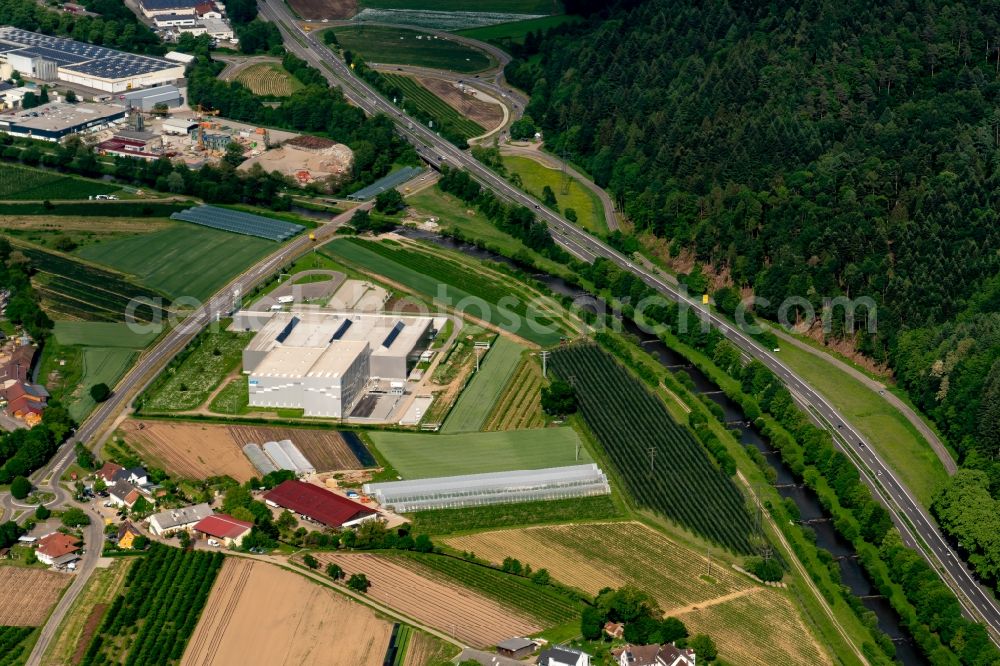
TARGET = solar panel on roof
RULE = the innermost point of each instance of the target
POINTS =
(339, 333)
(287, 330)
(393, 334)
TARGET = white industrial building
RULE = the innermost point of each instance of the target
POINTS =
(153, 8)
(323, 362)
(50, 58)
(147, 98)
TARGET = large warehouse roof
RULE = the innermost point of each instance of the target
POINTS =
(317, 503)
(317, 329)
(330, 361)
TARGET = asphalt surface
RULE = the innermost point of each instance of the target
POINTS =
(913, 520)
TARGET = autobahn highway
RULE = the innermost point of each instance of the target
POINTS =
(913, 520)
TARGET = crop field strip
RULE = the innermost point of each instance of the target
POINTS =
(628, 420)
(519, 407)
(20, 183)
(436, 522)
(268, 79)
(27, 595)
(77, 291)
(151, 621)
(401, 46)
(437, 108)
(425, 271)
(101, 365)
(481, 394)
(13, 645)
(447, 606)
(101, 334)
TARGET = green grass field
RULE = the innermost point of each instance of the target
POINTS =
(22, 183)
(535, 177)
(505, 6)
(399, 46)
(233, 399)
(497, 516)
(421, 455)
(101, 365)
(506, 33)
(895, 438)
(481, 394)
(101, 334)
(183, 260)
(194, 374)
(437, 108)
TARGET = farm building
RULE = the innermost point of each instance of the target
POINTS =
(258, 459)
(226, 529)
(55, 121)
(287, 456)
(50, 58)
(318, 504)
(450, 492)
(516, 648)
(173, 520)
(322, 362)
(55, 547)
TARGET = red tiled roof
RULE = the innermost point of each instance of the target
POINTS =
(58, 544)
(108, 471)
(317, 503)
(223, 526)
(24, 405)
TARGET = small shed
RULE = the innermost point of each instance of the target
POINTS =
(516, 648)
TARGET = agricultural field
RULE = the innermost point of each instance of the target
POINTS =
(73, 290)
(101, 334)
(21, 183)
(183, 260)
(402, 46)
(101, 365)
(15, 645)
(598, 555)
(628, 420)
(28, 595)
(505, 34)
(268, 79)
(414, 94)
(306, 623)
(151, 621)
(468, 287)
(520, 405)
(449, 521)
(326, 449)
(481, 112)
(508, 6)
(62, 232)
(85, 614)
(408, 588)
(324, 9)
(570, 193)
(426, 650)
(481, 394)
(425, 455)
(194, 373)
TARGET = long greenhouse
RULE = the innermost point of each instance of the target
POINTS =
(452, 492)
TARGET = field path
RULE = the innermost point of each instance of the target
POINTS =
(712, 602)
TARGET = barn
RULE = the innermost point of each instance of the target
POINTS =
(318, 504)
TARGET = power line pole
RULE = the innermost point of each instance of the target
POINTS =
(545, 358)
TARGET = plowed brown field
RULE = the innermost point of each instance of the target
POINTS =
(451, 609)
(324, 448)
(258, 613)
(27, 595)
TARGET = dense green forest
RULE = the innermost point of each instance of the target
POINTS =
(812, 149)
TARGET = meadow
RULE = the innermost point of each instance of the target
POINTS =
(182, 260)
(101, 334)
(485, 387)
(535, 176)
(442, 113)
(101, 365)
(400, 46)
(21, 183)
(425, 455)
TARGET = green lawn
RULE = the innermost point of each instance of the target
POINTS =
(506, 33)
(400, 46)
(183, 260)
(535, 177)
(481, 394)
(422, 455)
(497, 516)
(101, 365)
(23, 183)
(503, 6)
(895, 438)
(101, 334)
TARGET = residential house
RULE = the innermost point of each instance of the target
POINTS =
(653, 655)
(226, 529)
(614, 629)
(109, 472)
(516, 648)
(207, 10)
(563, 656)
(127, 532)
(137, 475)
(53, 548)
(174, 520)
(123, 493)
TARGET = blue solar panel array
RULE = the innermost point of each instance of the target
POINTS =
(287, 330)
(394, 179)
(78, 56)
(339, 333)
(393, 334)
(239, 222)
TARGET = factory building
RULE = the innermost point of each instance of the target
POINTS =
(54, 58)
(153, 8)
(323, 362)
(147, 99)
(57, 120)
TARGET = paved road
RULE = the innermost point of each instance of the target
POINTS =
(913, 519)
